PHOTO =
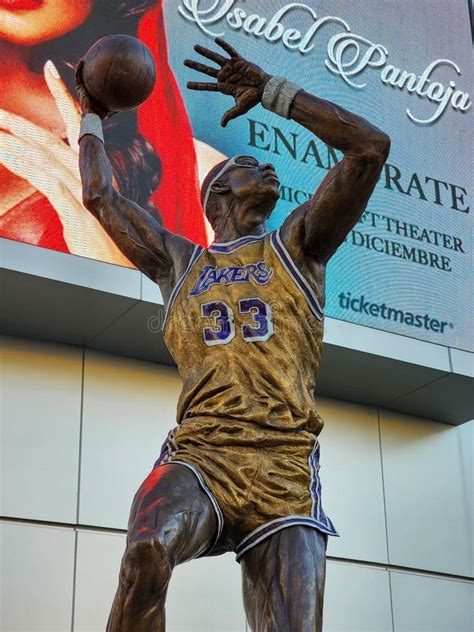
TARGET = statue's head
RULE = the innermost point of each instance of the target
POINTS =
(239, 190)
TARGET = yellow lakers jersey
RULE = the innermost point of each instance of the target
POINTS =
(245, 329)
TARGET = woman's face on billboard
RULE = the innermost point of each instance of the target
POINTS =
(29, 22)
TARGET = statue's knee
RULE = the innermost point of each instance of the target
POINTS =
(146, 563)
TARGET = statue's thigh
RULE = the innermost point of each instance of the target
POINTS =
(171, 507)
(283, 581)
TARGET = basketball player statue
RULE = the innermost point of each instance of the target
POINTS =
(244, 323)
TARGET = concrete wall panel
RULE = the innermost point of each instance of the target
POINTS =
(37, 578)
(357, 599)
(430, 604)
(425, 489)
(129, 406)
(40, 407)
(351, 476)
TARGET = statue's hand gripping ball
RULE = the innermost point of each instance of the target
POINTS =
(118, 73)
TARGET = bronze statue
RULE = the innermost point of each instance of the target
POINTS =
(244, 322)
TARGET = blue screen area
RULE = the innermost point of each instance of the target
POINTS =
(407, 67)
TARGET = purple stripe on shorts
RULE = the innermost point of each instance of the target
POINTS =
(317, 512)
(265, 531)
(168, 448)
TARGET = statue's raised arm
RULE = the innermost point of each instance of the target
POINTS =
(157, 252)
(317, 228)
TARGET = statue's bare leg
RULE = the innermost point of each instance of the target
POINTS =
(283, 581)
(172, 520)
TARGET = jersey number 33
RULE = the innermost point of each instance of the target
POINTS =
(222, 330)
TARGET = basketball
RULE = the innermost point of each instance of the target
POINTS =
(119, 72)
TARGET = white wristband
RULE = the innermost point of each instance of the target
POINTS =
(91, 124)
(278, 95)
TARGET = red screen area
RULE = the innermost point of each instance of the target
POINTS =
(152, 150)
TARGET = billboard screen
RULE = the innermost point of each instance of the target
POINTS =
(406, 267)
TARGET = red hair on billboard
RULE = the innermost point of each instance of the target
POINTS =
(151, 150)
(163, 120)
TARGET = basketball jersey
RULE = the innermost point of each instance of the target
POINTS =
(245, 329)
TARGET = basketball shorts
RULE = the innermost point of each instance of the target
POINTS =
(258, 480)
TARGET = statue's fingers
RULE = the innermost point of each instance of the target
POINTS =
(80, 89)
(224, 73)
(195, 65)
(215, 57)
(233, 113)
(109, 114)
(78, 71)
(200, 85)
(227, 47)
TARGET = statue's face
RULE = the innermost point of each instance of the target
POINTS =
(29, 22)
(256, 184)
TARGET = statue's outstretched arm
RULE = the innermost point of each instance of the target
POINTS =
(315, 229)
(341, 198)
(157, 252)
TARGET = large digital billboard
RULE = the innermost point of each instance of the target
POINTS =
(407, 67)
